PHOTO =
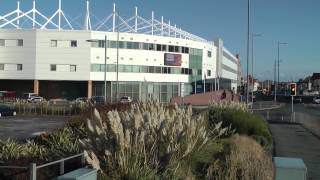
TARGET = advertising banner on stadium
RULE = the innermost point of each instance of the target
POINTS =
(172, 59)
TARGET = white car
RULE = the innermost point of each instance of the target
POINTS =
(316, 100)
(35, 99)
(125, 99)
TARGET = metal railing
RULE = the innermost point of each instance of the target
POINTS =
(33, 167)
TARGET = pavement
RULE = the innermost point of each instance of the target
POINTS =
(23, 127)
(300, 139)
(293, 140)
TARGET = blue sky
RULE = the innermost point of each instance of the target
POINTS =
(293, 21)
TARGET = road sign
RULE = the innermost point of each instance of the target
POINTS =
(293, 89)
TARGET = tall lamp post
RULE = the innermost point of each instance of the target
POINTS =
(105, 66)
(252, 56)
(277, 84)
(248, 46)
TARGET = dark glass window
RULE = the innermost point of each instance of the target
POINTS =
(19, 67)
(144, 69)
(136, 45)
(164, 47)
(208, 72)
(190, 71)
(199, 72)
(151, 46)
(176, 49)
(145, 46)
(111, 68)
(158, 47)
(209, 53)
(74, 43)
(122, 44)
(53, 67)
(158, 69)
(130, 45)
(171, 48)
(151, 69)
(186, 50)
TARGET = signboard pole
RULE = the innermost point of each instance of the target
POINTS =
(292, 108)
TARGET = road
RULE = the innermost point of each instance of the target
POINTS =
(23, 127)
(297, 140)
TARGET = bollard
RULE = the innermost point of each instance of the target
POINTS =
(61, 167)
(32, 171)
(282, 118)
(268, 115)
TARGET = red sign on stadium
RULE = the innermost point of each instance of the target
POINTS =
(172, 59)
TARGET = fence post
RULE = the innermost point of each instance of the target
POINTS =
(83, 160)
(33, 171)
(267, 115)
(61, 167)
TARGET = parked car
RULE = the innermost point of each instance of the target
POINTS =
(81, 99)
(297, 100)
(316, 100)
(35, 98)
(125, 99)
(97, 100)
(26, 96)
(6, 111)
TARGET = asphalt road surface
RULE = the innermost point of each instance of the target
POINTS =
(23, 127)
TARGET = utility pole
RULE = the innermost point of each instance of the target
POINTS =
(275, 77)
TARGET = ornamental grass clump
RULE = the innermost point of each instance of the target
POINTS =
(143, 142)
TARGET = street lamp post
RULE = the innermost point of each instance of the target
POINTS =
(105, 66)
(248, 46)
(252, 56)
(277, 84)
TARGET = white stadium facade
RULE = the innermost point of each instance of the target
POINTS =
(146, 58)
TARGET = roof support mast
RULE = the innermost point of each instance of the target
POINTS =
(169, 29)
(59, 15)
(18, 14)
(87, 25)
(152, 22)
(161, 25)
(114, 17)
(33, 14)
(136, 20)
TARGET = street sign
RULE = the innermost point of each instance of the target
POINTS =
(293, 89)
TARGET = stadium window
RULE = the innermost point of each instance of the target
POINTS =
(151, 46)
(122, 44)
(171, 48)
(73, 68)
(151, 69)
(53, 67)
(74, 43)
(111, 68)
(199, 72)
(121, 68)
(145, 46)
(208, 72)
(158, 70)
(2, 42)
(54, 43)
(101, 43)
(176, 49)
(158, 47)
(112, 44)
(127, 68)
(135, 69)
(94, 67)
(1, 67)
(129, 45)
(182, 49)
(20, 42)
(209, 53)
(165, 70)
(144, 69)
(135, 45)
(164, 47)
(19, 67)
(186, 50)
(190, 71)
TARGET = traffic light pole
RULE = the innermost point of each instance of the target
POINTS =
(292, 114)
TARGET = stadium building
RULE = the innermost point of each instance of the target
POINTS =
(146, 58)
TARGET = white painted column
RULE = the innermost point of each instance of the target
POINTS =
(114, 18)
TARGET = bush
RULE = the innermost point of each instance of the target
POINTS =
(244, 159)
(242, 121)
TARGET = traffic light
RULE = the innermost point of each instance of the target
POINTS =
(293, 89)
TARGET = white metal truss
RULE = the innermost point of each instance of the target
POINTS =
(111, 23)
